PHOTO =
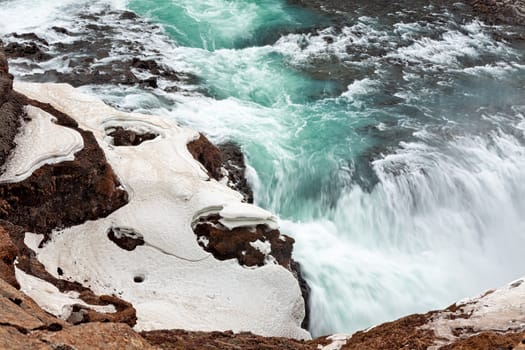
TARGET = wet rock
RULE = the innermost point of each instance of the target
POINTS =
(305, 291)
(88, 55)
(500, 11)
(30, 37)
(227, 156)
(28, 50)
(233, 162)
(126, 137)
(61, 30)
(128, 15)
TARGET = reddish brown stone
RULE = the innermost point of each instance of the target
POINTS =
(208, 155)
(404, 333)
(184, 340)
(108, 336)
(488, 341)
(8, 253)
(227, 244)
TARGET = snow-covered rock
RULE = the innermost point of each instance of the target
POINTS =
(170, 280)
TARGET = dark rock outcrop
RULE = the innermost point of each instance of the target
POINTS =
(11, 111)
(227, 244)
(125, 238)
(125, 137)
(305, 291)
(500, 11)
(208, 155)
(88, 53)
(8, 253)
(64, 194)
(233, 162)
(227, 156)
(31, 50)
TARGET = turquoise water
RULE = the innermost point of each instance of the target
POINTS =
(391, 149)
(390, 140)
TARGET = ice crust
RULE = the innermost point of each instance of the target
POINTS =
(49, 298)
(40, 142)
(183, 286)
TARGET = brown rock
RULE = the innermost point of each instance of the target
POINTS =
(227, 244)
(234, 163)
(124, 239)
(22, 312)
(404, 333)
(12, 339)
(208, 155)
(14, 316)
(124, 137)
(500, 12)
(184, 340)
(8, 253)
(107, 336)
(488, 341)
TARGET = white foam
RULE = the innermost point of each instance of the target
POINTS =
(183, 286)
(451, 46)
(40, 142)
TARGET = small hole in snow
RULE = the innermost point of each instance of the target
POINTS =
(138, 278)
(59, 271)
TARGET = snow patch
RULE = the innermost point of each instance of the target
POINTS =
(500, 310)
(263, 247)
(41, 142)
(49, 298)
(338, 341)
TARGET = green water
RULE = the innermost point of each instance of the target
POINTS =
(226, 24)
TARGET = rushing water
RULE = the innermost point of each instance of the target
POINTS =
(390, 139)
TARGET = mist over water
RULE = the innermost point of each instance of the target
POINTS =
(390, 141)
